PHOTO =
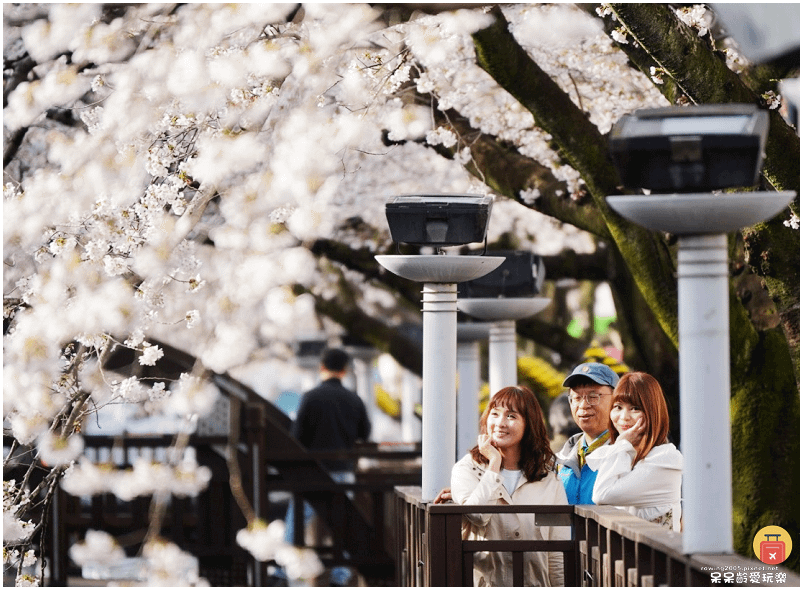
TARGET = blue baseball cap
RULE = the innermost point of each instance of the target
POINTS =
(597, 372)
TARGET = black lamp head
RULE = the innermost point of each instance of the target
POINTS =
(690, 149)
(438, 220)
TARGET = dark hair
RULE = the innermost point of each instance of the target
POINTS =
(536, 456)
(643, 391)
(334, 360)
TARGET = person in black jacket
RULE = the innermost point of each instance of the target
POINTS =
(330, 418)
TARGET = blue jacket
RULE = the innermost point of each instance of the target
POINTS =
(578, 483)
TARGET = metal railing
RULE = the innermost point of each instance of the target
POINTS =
(381, 468)
(609, 547)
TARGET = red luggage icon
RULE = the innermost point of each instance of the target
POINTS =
(773, 552)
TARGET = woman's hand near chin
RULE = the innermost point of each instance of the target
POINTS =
(491, 452)
(634, 434)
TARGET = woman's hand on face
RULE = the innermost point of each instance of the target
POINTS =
(635, 433)
(490, 451)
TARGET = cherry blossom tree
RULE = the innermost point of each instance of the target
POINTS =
(214, 177)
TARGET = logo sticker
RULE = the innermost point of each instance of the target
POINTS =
(772, 545)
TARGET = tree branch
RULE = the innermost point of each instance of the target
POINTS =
(13, 145)
(585, 148)
(508, 172)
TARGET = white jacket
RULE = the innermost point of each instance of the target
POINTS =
(649, 490)
(471, 483)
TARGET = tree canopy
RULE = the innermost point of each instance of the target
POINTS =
(215, 176)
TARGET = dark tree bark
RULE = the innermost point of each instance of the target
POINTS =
(583, 146)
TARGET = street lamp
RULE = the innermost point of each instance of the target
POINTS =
(700, 148)
(503, 296)
(363, 355)
(468, 363)
(438, 220)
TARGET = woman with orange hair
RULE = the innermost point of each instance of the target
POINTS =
(511, 464)
(640, 470)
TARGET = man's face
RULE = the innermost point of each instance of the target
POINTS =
(593, 420)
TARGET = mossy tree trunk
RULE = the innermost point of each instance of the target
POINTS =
(765, 402)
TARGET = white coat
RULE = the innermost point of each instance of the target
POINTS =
(649, 490)
(472, 483)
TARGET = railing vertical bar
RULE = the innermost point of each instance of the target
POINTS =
(595, 549)
(676, 572)
(606, 571)
(453, 549)
(413, 544)
(424, 548)
(697, 577)
(615, 555)
(412, 540)
(467, 567)
(582, 544)
(518, 575)
(644, 561)
(420, 564)
(628, 559)
(571, 568)
(572, 558)
(659, 568)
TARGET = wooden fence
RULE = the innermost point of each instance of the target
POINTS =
(609, 547)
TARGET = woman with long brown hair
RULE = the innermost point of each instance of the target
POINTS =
(511, 464)
(640, 470)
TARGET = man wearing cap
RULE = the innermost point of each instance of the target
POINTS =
(590, 388)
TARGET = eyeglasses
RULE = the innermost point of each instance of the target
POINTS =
(592, 399)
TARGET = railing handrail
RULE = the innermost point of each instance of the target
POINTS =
(610, 547)
(500, 508)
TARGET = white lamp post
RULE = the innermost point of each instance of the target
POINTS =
(680, 161)
(440, 275)
(468, 363)
(363, 357)
(438, 220)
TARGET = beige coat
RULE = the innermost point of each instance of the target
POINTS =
(471, 483)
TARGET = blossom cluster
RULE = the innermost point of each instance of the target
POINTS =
(266, 542)
(144, 478)
(163, 564)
